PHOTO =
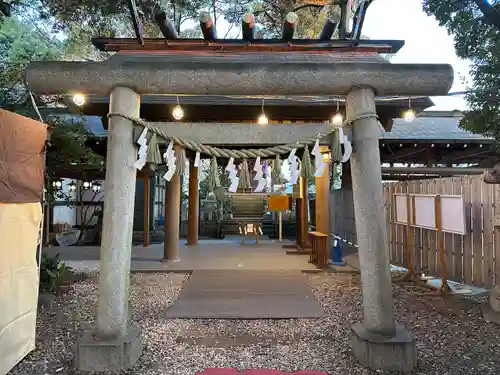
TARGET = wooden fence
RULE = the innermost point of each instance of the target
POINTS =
(473, 258)
(342, 217)
(470, 259)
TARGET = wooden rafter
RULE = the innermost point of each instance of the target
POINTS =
(239, 45)
(134, 14)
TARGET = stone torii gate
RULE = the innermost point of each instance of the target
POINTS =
(378, 342)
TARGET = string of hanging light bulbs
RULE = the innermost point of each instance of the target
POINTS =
(178, 112)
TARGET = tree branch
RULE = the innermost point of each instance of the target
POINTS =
(490, 12)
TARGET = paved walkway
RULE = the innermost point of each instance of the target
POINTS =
(207, 255)
(246, 294)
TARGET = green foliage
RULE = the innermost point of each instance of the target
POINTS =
(19, 43)
(53, 274)
(475, 39)
(271, 14)
(98, 15)
(23, 40)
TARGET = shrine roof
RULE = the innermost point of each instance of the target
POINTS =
(429, 128)
(247, 108)
(269, 46)
(282, 58)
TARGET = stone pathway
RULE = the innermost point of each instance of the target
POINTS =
(207, 255)
(246, 294)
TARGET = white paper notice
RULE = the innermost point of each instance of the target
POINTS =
(258, 175)
(257, 166)
(320, 169)
(170, 173)
(230, 165)
(142, 137)
(139, 164)
(261, 185)
(169, 152)
(341, 135)
(292, 154)
(347, 150)
(234, 185)
(197, 159)
(315, 149)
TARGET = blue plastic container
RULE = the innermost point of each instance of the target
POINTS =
(337, 253)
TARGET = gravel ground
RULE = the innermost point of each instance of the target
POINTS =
(451, 336)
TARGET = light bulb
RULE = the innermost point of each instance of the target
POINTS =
(86, 185)
(79, 99)
(72, 187)
(409, 115)
(337, 120)
(262, 120)
(178, 112)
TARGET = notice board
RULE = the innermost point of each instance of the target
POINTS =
(422, 209)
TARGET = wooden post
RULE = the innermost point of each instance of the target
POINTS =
(298, 222)
(442, 259)
(172, 217)
(305, 215)
(281, 226)
(410, 214)
(322, 195)
(193, 208)
(147, 204)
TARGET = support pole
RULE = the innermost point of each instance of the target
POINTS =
(304, 223)
(147, 205)
(442, 257)
(322, 195)
(410, 214)
(118, 216)
(248, 26)
(281, 226)
(172, 217)
(299, 217)
(114, 345)
(193, 208)
(378, 343)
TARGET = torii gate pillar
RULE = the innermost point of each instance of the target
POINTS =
(114, 345)
(378, 343)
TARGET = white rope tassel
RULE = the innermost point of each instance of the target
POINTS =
(169, 157)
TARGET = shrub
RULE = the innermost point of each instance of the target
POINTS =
(53, 274)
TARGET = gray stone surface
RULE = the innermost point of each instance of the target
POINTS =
(394, 353)
(369, 213)
(243, 294)
(95, 354)
(243, 133)
(118, 215)
(490, 315)
(209, 254)
(285, 74)
(46, 300)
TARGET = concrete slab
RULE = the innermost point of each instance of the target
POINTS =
(396, 353)
(94, 354)
(245, 294)
(207, 255)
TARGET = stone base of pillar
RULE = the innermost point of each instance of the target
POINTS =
(491, 309)
(94, 354)
(170, 260)
(377, 352)
(490, 315)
